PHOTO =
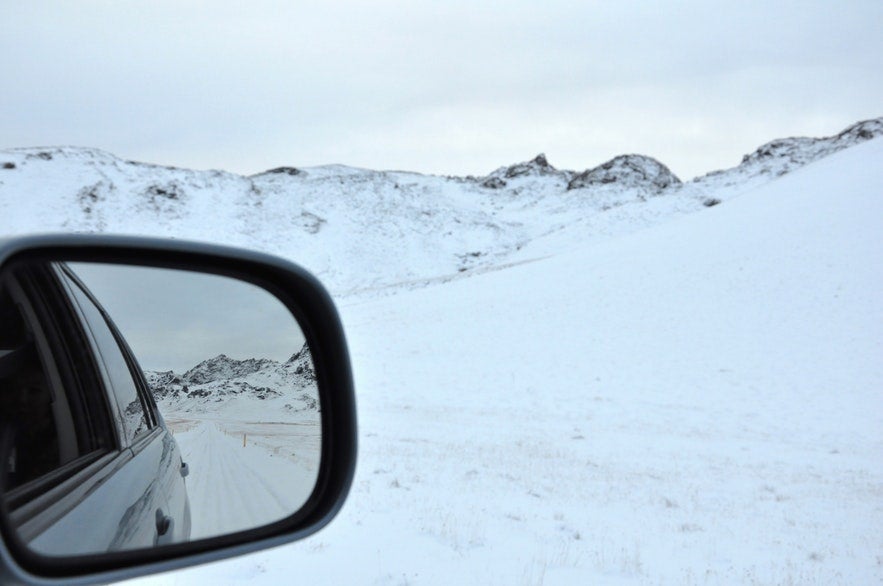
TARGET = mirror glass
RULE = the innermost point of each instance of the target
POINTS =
(147, 406)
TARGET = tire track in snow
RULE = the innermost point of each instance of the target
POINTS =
(226, 493)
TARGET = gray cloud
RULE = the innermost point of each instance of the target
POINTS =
(447, 87)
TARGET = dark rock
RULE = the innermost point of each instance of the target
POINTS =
(283, 171)
(169, 191)
(222, 367)
(493, 183)
(862, 131)
(783, 155)
(628, 170)
(537, 166)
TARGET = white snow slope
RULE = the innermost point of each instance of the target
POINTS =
(696, 403)
(699, 401)
(364, 232)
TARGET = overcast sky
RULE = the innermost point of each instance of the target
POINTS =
(174, 320)
(447, 86)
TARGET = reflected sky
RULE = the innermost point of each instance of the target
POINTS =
(175, 319)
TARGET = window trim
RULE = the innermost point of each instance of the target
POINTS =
(154, 419)
(22, 499)
(68, 281)
(44, 511)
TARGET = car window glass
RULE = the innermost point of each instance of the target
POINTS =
(124, 386)
(26, 404)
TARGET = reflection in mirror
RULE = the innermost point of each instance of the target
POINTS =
(143, 406)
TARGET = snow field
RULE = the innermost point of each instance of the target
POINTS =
(695, 403)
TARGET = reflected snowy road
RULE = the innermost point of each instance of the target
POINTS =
(245, 474)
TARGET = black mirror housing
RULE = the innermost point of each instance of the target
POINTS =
(308, 302)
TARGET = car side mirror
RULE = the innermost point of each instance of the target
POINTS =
(163, 404)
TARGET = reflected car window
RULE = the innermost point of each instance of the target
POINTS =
(117, 368)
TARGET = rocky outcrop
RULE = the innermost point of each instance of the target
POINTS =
(290, 171)
(786, 154)
(222, 367)
(537, 167)
(627, 171)
(223, 377)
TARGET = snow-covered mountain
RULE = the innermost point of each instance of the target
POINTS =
(224, 384)
(362, 230)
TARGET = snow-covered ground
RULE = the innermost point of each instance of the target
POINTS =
(628, 394)
(244, 474)
(251, 435)
(697, 403)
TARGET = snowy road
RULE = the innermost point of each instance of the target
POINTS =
(243, 474)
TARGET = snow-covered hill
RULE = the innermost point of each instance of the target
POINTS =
(362, 230)
(226, 386)
(696, 403)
